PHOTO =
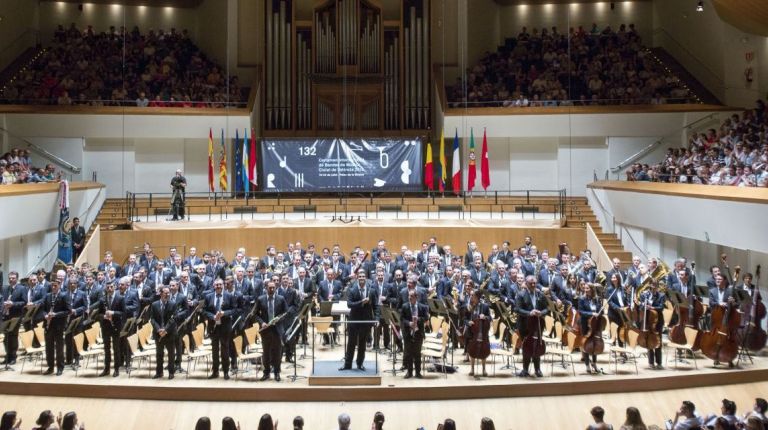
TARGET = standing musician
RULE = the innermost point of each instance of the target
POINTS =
(14, 300)
(293, 306)
(413, 316)
(77, 306)
(361, 301)
(654, 300)
(616, 269)
(476, 311)
(180, 305)
(721, 295)
(268, 307)
(530, 302)
(163, 320)
(178, 186)
(329, 290)
(111, 325)
(56, 312)
(618, 303)
(589, 306)
(219, 307)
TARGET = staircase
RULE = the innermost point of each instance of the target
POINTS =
(113, 215)
(579, 214)
(674, 67)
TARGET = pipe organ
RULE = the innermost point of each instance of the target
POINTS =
(346, 69)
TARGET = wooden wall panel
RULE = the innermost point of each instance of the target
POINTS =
(122, 242)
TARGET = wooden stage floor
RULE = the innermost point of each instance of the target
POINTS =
(434, 386)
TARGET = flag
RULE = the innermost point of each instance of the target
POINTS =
(223, 164)
(210, 161)
(238, 156)
(485, 173)
(245, 165)
(472, 171)
(429, 180)
(443, 166)
(65, 227)
(252, 161)
(456, 164)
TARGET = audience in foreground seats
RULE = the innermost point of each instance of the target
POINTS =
(116, 68)
(735, 155)
(549, 68)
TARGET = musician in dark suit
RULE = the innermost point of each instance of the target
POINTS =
(132, 266)
(180, 304)
(34, 294)
(219, 307)
(77, 306)
(193, 259)
(475, 310)
(14, 299)
(293, 305)
(78, 239)
(530, 302)
(413, 315)
(617, 270)
(411, 284)
(56, 312)
(362, 300)
(589, 306)
(109, 264)
(111, 325)
(618, 303)
(163, 320)
(478, 273)
(269, 306)
(652, 299)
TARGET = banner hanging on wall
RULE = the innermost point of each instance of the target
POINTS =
(337, 165)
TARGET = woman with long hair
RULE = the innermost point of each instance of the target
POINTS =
(203, 423)
(633, 421)
(487, 424)
(265, 423)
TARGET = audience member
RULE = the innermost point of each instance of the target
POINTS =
(45, 421)
(487, 424)
(344, 421)
(550, 68)
(686, 418)
(265, 423)
(228, 423)
(298, 423)
(633, 421)
(8, 421)
(203, 423)
(448, 424)
(598, 414)
(378, 421)
(16, 168)
(69, 422)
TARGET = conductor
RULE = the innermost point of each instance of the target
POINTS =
(178, 186)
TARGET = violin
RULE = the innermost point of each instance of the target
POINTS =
(649, 338)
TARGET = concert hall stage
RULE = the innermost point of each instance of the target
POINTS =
(434, 386)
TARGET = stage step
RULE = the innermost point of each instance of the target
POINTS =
(327, 373)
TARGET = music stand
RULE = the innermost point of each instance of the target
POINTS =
(72, 326)
(389, 319)
(433, 306)
(6, 327)
(677, 298)
(325, 308)
(701, 290)
(29, 314)
(303, 314)
(293, 329)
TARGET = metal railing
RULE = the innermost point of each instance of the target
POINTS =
(347, 207)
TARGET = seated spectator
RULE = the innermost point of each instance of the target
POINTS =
(344, 421)
(758, 411)
(265, 423)
(487, 424)
(142, 100)
(203, 423)
(9, 422)
(633, 421)
(448, 424)
(228, 423)
(69, 422)
(727, 414)
(298, 423)
(598, 413)
(378, 421)
(45, 421)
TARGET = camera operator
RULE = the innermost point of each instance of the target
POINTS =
(178, 185)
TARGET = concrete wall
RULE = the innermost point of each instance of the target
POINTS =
(28, 236)
(17, 28)
(712, 50)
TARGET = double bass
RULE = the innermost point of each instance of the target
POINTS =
(649, 338)
(687, 317)
(478, 345)
(533, 344)
(721, 342)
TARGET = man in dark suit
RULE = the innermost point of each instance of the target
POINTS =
(163, 320)
(653, 299)
(722, 294)
(132, 266)
(530, 302)
(193, 259)
(617, 270)
(14, 299)
(220, 305)
(411, 284)
(111, 325)
(181, 309)
(78, 238)
(56, 311)
(109, 264)
(361, 301)
(77, 308)
(413, 316)
(269, 306)
(159, 276)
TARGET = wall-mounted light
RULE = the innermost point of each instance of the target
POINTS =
(700, 6)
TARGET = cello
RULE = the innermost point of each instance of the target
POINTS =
(687, 317)
(648, 337)
(478, 345)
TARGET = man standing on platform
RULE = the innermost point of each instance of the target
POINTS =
(164, 332)
(270, 306)
(78, 239)
(220, 305)
(111, 325)
(531, 302)
(412, 327)
(362, 298)
(178, 187)
(57, 310)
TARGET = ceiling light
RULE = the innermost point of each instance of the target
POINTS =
(700, 6)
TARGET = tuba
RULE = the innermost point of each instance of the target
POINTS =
(660, 274)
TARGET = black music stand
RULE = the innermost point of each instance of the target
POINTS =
(29, 314)
(701, 290)
(72, 326)
(302, 317)
(390, 316)
(292, 331)
(6, 327)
